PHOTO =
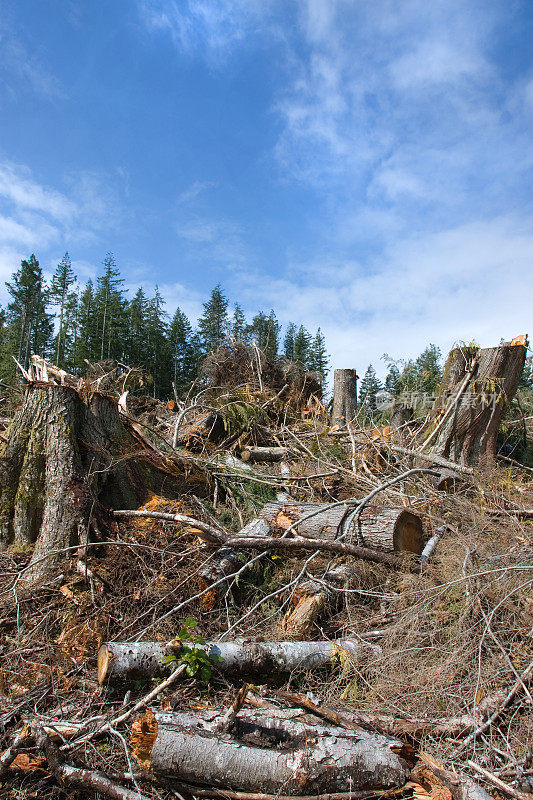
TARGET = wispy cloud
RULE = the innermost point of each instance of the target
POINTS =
(194, 190)
(219, 240)
(37, 217)
(210, 27)
(21, 67)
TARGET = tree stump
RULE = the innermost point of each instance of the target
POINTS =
(344, 396)
(476, 388)
(66, 459)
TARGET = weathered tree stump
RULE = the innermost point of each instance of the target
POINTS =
(266, 750)
(344, 396)
(68, 458)
(476, 388)
(388, 529)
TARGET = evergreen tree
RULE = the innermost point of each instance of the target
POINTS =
(4, 351)
(183, 352)
(429, 369)
(238, 324)
(288, 341)
(158, 358)
(526, 380)
(302, 344)
(88, 339)
(136, 353)
(264, 331)
(29, 326)
(111, 311)
(318, 355)
(62, 280)
(213, 325)
(392, 379)
(370, 386)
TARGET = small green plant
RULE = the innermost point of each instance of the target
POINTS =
(198, 663)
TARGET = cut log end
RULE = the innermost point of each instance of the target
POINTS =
(143, 735)
(408, 533)
(103, 663)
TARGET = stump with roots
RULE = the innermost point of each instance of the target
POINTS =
(66, 459)
(477, 387)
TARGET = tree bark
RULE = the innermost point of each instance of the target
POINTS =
(119, 661)
(387, 529)
(265, 751)
(344, 396)
(476, 388)
(66, 460)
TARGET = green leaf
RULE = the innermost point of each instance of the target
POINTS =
(168, 659)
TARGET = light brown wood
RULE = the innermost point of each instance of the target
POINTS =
(379, 528)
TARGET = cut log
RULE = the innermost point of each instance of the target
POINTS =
(67, 459)
(344, 396)
(476, 388)
(265, 751)
(119, 661)
(387, 529)
(266, 454)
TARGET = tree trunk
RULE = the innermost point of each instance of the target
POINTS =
(387, 529)
(344, 396)
(265, 751)
(66, 459)
(476, 388)
(119, 661)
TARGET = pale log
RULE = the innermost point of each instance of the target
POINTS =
(118, 661)
(265, 751)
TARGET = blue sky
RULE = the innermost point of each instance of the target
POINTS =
(362, 166)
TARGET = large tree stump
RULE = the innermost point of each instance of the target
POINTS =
(388, 529)
(476, 388)
(344, 396)
(67, 459)
(266, 750)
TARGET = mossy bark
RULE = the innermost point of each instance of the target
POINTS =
(66, 459)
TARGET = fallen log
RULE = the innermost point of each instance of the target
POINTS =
(265, 751)
(266, 454)
(119, 661)
(387, 529)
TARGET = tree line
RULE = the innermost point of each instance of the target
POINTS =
(71, 325)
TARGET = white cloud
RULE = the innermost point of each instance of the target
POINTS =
(468, 282)
(17, 186)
